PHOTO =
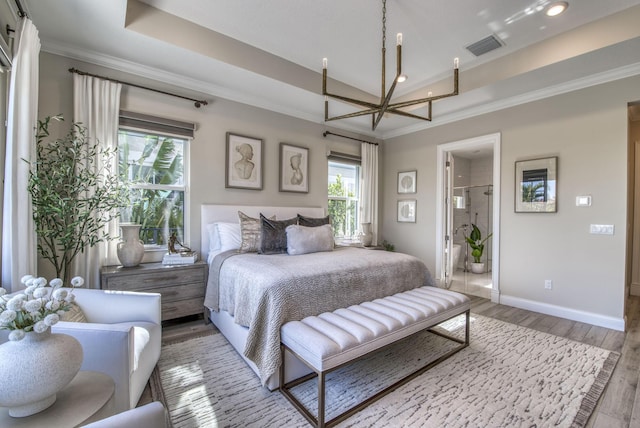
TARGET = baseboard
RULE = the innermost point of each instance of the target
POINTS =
(495, 296)
(563, 312)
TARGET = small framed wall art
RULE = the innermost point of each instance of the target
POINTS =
(407, 211)
(407, 181)
(536, 185)
(294, 168)
(243, 166)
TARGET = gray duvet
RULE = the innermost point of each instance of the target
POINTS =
(263, 292)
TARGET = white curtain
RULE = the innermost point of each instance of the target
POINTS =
(19, 245)
(369, 188)
(96, 104)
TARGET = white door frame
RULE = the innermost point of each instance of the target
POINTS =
(493, 141)
(447, 222)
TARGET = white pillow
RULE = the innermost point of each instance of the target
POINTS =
(214, 238)
(230, 236)
(304, 240)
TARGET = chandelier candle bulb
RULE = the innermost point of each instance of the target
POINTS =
(456, 63)
(385, 106)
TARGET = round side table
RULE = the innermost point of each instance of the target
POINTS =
(87, 398)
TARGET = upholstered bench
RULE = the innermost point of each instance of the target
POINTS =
(333, 339)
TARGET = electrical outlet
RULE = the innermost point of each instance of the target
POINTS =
(548, 284)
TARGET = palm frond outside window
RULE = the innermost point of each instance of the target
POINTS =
(152, 166)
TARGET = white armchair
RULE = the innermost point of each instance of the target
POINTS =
(152, 415)
(122, 338)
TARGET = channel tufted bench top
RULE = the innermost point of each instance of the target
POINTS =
(332, 339)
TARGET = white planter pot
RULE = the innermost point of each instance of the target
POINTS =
(130, 248)
(34, 369)
(477, 267)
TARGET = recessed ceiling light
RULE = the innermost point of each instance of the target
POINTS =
(402, 78)
(557, 8)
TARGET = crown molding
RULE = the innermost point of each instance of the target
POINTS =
(13, 9)
(173, 79)
(570, 86)
(255, 101)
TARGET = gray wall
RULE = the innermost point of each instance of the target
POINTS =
(208, 148)
(587, 130)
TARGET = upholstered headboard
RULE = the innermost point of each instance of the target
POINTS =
(210, 213)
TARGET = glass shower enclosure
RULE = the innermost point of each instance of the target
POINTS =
(471, 205)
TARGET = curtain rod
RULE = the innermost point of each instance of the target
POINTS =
(21, 11)
(197, 103)
(325, 133)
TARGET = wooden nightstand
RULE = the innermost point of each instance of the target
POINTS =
(182, 286)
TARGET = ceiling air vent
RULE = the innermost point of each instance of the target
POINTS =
(485, 45)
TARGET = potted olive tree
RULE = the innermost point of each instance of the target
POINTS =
(476, 243)
(74, 193)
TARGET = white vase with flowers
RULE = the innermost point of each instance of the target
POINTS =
(35, 364)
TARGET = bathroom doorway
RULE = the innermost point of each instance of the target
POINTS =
(632, 283)
(468, 207)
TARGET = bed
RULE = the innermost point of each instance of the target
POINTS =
(250, 295)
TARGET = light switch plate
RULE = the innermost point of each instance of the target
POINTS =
(601, 229)
(583, 201)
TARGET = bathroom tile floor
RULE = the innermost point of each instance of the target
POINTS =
(472, 283)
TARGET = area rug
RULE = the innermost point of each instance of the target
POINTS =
(509, 376)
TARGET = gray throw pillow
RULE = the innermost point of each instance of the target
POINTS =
(313, 221)
(274, 236)
(251, 232)
(304, 240)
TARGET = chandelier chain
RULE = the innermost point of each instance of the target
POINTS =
(384, 23)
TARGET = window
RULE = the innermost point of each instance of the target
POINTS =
(153, 166)
(344, 189)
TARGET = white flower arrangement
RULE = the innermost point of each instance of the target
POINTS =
(36, 308)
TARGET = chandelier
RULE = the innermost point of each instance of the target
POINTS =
(385, 106)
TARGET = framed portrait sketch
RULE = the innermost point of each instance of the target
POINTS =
(407, 211)
(294, 168)
(536, 185)
(243, 166)
(407, 181)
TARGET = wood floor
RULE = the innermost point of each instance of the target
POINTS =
(620, 404)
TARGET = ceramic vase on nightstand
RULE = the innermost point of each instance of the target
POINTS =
(130, 248)
(34, 369)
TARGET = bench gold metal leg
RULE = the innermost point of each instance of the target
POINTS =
(285, 388)
(321, 396)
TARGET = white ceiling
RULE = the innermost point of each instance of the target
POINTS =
(269, 53)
